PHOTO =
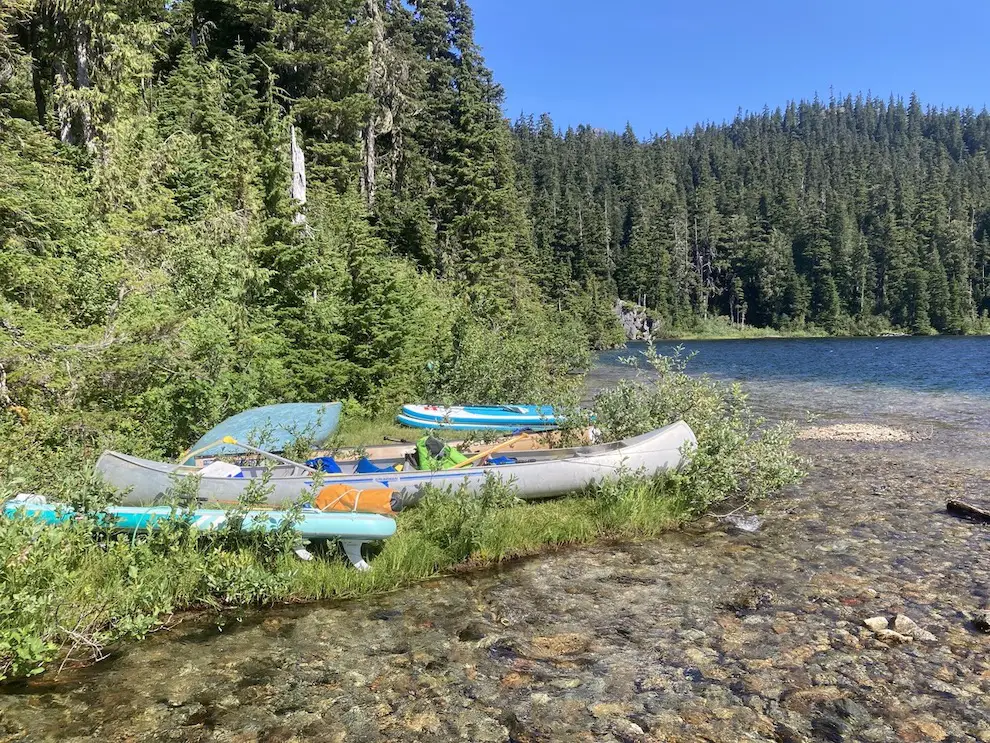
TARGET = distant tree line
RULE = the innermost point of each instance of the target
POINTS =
(853, 215)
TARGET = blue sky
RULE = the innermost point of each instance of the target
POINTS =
(667, 65)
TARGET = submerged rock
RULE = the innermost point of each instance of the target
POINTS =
(607, 709)
(749, 523)
(555, 646)
(876, 623)
(889, 635)
(922, 731)
(907, 626)
(750, 598)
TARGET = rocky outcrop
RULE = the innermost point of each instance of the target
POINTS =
(636, 321)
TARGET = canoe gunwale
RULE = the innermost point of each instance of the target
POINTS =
(530, 476)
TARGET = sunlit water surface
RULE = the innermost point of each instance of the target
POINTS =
(937, 385)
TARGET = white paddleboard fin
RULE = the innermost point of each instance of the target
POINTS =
(352, 548)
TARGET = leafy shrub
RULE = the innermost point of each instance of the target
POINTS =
(517, 354)
(38, 565)
(738, 454)
(239, 578)
(455, 522)
(65, 594)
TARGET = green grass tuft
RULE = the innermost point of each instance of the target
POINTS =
(72, 591)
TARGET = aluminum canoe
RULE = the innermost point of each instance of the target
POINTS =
(537, 474)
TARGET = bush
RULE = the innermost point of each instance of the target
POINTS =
(738, 455)
(455, 522)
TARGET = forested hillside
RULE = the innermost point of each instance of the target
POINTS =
(853, 215)
(207, 205)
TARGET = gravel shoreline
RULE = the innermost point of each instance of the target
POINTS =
(712, 633)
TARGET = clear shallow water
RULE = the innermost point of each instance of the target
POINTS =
(706, 633)
(939, 385)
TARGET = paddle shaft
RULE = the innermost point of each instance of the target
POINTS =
(187, 455)
(262, 452)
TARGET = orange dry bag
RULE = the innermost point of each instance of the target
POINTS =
(343, 498)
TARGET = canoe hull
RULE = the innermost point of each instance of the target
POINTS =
(550, 473)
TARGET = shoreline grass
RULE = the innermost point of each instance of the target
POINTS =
(506, 534)
(71, 591)
(725, 334)
(87, 596)
(722, 328)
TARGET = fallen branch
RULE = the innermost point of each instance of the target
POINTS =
(967, 511)
(4, 390)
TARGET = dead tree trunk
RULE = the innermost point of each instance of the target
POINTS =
(63, 104)
(298, 187)
(375, 87)
(83, 83)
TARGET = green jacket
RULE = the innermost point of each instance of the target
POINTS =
(434, 454)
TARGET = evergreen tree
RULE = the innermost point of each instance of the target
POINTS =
(830, 212)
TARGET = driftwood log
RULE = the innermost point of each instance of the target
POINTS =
(968, 511)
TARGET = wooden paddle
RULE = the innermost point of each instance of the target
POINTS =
(497, 447)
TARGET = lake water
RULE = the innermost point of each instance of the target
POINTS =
(940, 384)
(926, 364)
(705, 632)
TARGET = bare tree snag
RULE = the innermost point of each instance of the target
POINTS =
(298, 188)
(377, 72)
(83, 82)
(63, 105)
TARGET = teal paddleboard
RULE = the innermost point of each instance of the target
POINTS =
(482, 416)
(312, 525)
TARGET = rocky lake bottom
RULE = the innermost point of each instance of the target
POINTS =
(712, 633)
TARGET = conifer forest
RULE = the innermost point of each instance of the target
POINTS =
(208, 205)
